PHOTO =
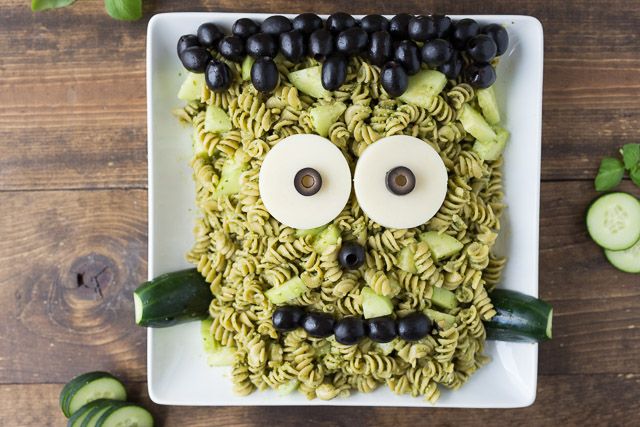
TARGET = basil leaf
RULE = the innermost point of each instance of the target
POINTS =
(125, 10)
(610, 174)
(37, 5)
(635, 174)
(631, 155)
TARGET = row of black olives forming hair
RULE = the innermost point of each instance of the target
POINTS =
(399, 45)
(351, 329)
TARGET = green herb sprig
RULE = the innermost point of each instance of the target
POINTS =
(124, 10)
(612, 169)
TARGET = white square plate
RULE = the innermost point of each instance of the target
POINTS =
(177, 369)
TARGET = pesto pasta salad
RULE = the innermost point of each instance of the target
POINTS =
(349, 189)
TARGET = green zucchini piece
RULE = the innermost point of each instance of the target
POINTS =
(230, 175)
(441, 245)
(291, 289)
(473, 122)
(406, 259)
(444, 298)
(172, 298)
(490, 151)
(247, 63)
(309, 81)
(423, 86)
(89, 387)
(327, 237)
(374, 305)
(489, 105)
(192, 87)
(216, 120)
(443, 320)
(519, 318)
(324, 116)
(125, 415)
(627, 260)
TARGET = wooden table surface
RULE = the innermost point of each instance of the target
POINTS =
(73, 212)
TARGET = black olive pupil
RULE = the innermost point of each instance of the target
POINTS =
(351, 259)
(307, 181)
(401, 180)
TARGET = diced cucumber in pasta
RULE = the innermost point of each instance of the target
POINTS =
(374, 305)
(247, 63)
(323, 116)
(230, 175)
(386, 347)
(473, 122)
(423, 86)
(309, 81)
(287, 388)
(291, 289)
(216, 120)
(613, 221)
(327, 237)
(310, 231)
(406, 259)
(492, 150)
(444, 298)
(192, 87)
(441, 245)
(443, 320)
(627, 260)
(489, 105)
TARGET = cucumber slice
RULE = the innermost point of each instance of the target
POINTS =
(489, 105)
(441, 245)
(77, 419)
(444, 298)
(230, 175)
(327, 237)
(192, 87)
(247, 63)
(172, 298)
(613, 221)
(323, 116)
(374, 305)
(216, 120)
(492, 150)
(519, 318)
(627, 260)
(128, 415)
(309, 81)
(476, 125)
(423, 86)
(96, 412)
(291, 289)
(89, 387)
(443, 320)
(406, 259)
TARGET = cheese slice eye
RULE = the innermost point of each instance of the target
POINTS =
(400, 181)
(304, 181)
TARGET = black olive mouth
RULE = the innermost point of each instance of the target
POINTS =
(307, 181)
(400, 180)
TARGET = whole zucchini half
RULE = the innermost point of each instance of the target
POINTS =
(519, 318)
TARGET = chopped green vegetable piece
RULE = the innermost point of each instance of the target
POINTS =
(230, 176)
(327, 237)
(473, 122)
(631, 156)
(289, 290)
(222, 356)
(287, 388)
(374, 305)
(443, 320)
(423, 86)
(324, 116)
(309, 81)
(610, 174)
(406, 259)
(310, 231)
(192, 87)
(247, 63)
(386, 347)
(489, 105)
(216, 120)
(490, 151)
(444, 298)
(441, 245)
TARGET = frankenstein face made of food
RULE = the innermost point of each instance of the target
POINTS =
(348, 179)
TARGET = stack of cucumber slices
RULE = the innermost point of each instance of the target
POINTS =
(98, 399)
(613, 222)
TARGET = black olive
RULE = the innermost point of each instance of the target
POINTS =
(218, 76)
(320, 44)
(414, 326)
(262, 45)
(422, 28)
(232, 48)
(382, 329)
(319, 325)
(340, 21)
(463, 30)
(481, 48)
(287, 318)
(480, 76)
(436, 52)
(209, 35)
(351, 41)
(379, 49)
(188, 40)
(195, 59)
(443, 25)
(349, 330)
(399, 26)
(351, 255)
(307, 181)
(407, 54)
(374, 23)
(400, 180)
(276, 24)
(307, 22)
(334, 72)
(451, 68)
(244, 28)
(292, 45)
(264, 75)
(394, 79)
(499, 35)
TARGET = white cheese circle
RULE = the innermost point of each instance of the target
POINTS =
(388, 209)
(279, 168)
